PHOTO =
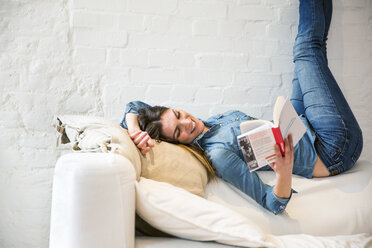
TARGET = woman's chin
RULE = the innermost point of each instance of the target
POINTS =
(200, 127)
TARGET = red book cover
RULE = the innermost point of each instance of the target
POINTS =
(278, 139)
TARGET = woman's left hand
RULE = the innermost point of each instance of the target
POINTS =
(283, 165)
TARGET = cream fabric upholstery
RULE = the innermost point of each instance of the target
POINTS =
(338, 205)
(93, 206)
(93, 203)
(286, 241)
(149, 242)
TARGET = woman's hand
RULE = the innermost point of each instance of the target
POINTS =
(142, 140)
(283, 167)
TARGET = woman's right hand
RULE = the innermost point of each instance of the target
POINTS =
(142, 140)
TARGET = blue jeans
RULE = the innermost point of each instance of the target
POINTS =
(316, 94)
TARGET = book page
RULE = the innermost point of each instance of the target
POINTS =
(263, 146)
(257, 147)
(262, 126)
(253, 124)
(280, 102)
(248, 154)
(290, 123)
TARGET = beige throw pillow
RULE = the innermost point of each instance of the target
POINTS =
(173, 164)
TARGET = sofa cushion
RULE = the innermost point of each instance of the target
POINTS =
(337, 205)
(179, 213)
(284, 241)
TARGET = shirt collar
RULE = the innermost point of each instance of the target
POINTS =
(200, 136)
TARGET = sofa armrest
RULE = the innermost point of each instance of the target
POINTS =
(93, 202)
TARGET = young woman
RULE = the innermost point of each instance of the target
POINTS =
(331, 145)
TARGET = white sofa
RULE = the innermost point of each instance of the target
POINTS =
(93, 205)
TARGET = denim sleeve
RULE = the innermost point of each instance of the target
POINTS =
(231, 168)
(132, 107)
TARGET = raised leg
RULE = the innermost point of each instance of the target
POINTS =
(339, 139)
(296, 97)
(327, 9)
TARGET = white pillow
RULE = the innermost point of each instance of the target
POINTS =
(175, 211)
(97, 134)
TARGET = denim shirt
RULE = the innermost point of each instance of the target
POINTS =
(222, 149)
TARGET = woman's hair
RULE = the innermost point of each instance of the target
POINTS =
(150, 122)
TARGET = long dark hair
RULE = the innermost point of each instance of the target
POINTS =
(149, 120)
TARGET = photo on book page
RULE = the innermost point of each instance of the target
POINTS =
(248, 154)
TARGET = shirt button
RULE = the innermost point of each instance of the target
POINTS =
(220, 124)
(237, 118)
(281, 207)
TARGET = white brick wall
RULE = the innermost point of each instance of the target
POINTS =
(92, 57)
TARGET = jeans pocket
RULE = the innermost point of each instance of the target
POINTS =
(335, 151)
(329, 152)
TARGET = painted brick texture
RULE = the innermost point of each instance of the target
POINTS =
(92, 57)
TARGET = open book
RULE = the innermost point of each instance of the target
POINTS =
(258, 137)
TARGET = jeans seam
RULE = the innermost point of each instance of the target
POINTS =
(340, 152)
(328, 91)
(353, 159)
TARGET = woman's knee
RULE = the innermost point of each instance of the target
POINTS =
(358, 144)
(307, 47)
(353, 150)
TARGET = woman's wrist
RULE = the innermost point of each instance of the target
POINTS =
(284, 176)
(283, 186)
(132, 123)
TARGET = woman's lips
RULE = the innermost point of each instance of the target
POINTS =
(194, 125)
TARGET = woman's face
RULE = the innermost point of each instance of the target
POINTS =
(181, 126)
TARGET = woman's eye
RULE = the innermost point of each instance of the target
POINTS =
(178, 115)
